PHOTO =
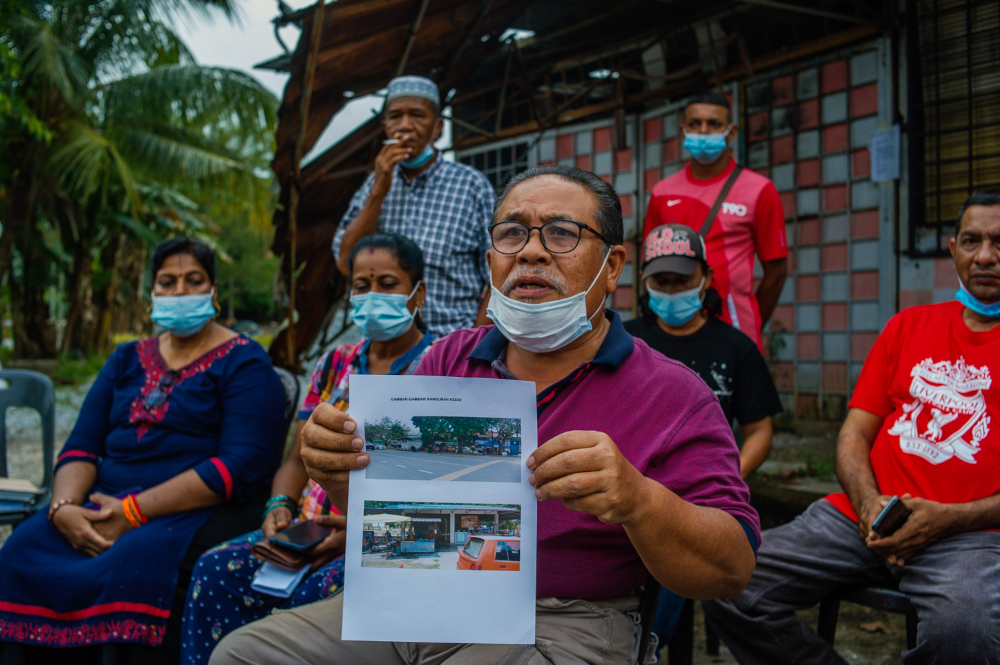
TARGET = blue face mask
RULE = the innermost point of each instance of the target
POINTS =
(183, 315)
(547, 326)
(706, 148)
(963, 296)
(382, 316)
(676, 309)
(421, 159)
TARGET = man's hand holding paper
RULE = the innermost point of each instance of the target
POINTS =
(331, 448)
(587, 471)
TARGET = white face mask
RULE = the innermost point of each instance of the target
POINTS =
(543, 327)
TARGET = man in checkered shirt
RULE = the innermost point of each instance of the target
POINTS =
(444, 207)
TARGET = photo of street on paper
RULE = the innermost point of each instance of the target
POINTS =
(441, 536)
(444, 448)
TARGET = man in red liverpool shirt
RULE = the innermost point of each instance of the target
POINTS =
(750, 219)
(923, 425)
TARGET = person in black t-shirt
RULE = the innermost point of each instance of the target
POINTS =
(682, 323)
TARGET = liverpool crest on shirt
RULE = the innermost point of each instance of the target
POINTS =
(947, 417)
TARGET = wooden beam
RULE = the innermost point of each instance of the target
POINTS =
(503, 86)
(484, 8)
(828, 43)
(684, 87)
(316, 33)
(801, 9)
(529, 88)
(806, 50)
(333, 157)
(472, 128)
(412, 37)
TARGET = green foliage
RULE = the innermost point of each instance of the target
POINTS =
(112, 139)
(385, 431)
(264, 339)
(72, 371)
(464, 430)
(821, 466)
(14, 110)
(246, 283)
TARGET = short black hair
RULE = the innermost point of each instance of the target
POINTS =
(609, 207)
(989, 198)
(405, 251)
(709, 97)
(199, 249)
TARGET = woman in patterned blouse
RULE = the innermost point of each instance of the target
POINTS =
(220, 599)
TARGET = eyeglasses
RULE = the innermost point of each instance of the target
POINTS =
(559, 236)
(159, 394)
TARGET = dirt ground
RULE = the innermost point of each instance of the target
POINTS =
(855, 645)
(793, 454)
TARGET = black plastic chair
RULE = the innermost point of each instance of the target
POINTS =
(879, 598)
(33, 390)
(647, 610)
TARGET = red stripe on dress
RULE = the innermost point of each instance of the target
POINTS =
(75, 453)
(227, 478)
(107, 608)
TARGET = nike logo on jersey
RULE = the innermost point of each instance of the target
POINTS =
(672, 202)
(737, 209)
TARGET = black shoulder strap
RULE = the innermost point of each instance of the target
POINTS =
(707, 224)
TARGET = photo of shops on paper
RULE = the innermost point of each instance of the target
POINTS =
(444, 448)
(441, 536)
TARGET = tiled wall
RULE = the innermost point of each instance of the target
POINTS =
(590, 147)
(809, 129)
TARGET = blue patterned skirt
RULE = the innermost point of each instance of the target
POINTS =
(220, 599)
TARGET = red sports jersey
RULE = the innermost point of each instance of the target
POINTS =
(931, 378)
(750, 219)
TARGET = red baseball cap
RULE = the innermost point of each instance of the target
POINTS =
(672, 248)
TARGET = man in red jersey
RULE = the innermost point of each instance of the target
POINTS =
(749, 219)
(923, 425)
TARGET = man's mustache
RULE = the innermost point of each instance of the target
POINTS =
(524, 271)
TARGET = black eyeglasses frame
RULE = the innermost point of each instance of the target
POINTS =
(541, 235)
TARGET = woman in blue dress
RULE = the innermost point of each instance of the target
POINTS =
(387, 272)
(173, 428)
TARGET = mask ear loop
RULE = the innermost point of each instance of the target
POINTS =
(416, 312)
(599, 309)
(414, 291)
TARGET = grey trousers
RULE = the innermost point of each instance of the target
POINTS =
(569, 632)
(954, 585)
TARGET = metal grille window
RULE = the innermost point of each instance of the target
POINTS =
(498, 162)
(955, 113)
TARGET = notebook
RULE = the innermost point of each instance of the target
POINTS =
(275, 581)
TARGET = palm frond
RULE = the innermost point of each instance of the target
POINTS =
(138, 228)
(175, 154)
(87, 161)
(51, 62)
(193, 96)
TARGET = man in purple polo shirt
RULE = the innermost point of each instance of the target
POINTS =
(637, 474)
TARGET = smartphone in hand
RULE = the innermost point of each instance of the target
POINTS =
(893, 516)
(302, 535)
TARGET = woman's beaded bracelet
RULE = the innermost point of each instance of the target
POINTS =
(132, 513)
(289, 504)
(279, 498)
(57, 505)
